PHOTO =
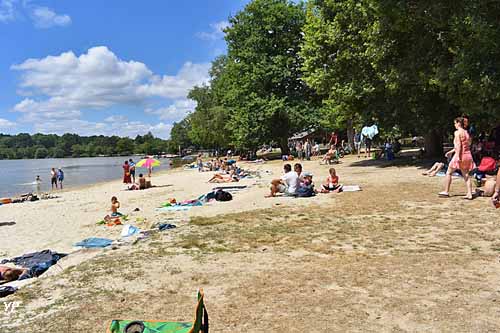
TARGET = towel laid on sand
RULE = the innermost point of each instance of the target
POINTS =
(94, 242)
(36, 263)
(173, 208)
(351, 188)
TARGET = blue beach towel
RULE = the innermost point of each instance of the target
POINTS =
(36, 263)
(94, 242)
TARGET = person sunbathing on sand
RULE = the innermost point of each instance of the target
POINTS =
(8, 274)
(332, 183)
(434, 170)
(220, 178)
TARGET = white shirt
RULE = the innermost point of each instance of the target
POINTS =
(291, 180)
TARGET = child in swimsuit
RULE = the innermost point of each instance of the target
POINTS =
(115, 204)
(332, 182)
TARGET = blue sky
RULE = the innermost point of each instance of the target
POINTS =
(105, 67)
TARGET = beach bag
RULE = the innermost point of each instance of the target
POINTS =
(7, 290)
(221, 195)
(487, 164)
(305, 192)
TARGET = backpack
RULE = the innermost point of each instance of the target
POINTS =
(221, 195)
(305, 191)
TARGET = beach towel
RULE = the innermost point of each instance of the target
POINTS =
(129, 230)
(226, 188)
(173, 208)
(7, 290)
(200, 324)
(94, 243)
(351, 188)
(36, 263)
(370, 132)
(442, 174)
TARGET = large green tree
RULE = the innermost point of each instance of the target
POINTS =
(209, 122)
(264, 94)
(414, 64)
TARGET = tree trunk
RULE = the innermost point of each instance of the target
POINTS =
(284, 146)
(350, 133)
(433, 143)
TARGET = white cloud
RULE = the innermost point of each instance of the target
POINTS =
(6, 124)
(63, 88)
(44, 17)
(6, 10)
(116, 119)
(83, 127)
(176, 111)
(216, 31)
(98, 79)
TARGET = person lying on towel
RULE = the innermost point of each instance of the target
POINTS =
(220, 178)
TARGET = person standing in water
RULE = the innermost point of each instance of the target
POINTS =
(132, 169)
(60, 178)
(126, 173)
(38, 184)
(53, 178)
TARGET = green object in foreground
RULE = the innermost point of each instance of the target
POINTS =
(118, 326)
(200, 323)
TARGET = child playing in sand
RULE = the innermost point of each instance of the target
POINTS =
(115, 205)
(332, 183)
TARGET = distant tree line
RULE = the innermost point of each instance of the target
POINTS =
(409, 66)
(24, 145)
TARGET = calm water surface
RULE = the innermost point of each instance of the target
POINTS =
(17, 176)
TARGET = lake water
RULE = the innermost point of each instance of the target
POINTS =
(17, 176)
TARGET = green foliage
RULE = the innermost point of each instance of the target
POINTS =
(263, 91)
(71, 145)
(410, 64)
(179, 135)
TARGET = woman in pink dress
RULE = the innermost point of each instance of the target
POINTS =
(462, 160)
(126, 173)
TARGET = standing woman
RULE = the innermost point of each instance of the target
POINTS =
(462, 160)
(126, 173)
(53, 178)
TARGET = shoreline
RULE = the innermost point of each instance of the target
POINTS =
(80, 186)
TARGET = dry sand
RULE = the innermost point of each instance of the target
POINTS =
(392, 258)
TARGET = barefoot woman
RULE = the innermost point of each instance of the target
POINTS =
(462, 160)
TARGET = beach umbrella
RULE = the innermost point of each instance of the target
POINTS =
(148, 163)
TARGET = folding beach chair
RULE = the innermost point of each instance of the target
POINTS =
(200, 324)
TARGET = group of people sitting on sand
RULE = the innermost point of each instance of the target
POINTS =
(142, 183)
(298, 183)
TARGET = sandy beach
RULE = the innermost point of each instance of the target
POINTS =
(392, 257)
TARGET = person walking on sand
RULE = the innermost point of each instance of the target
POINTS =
(357, 142)
(53, 178)
(462, 160)
(60, 178)
(126, 173)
